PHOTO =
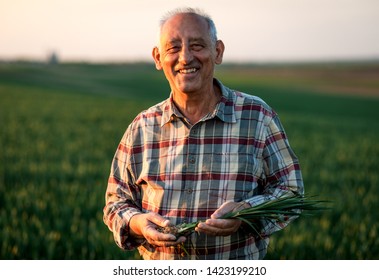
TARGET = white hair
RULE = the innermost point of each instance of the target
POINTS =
(211, 25)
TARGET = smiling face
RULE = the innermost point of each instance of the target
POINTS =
(187, 54)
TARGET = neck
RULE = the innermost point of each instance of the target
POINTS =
(194, 106)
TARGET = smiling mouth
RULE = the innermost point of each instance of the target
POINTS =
(188, 71)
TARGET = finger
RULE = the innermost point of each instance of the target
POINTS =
(209, 228)
(213, 231)
(241, 205)
(227, 224)
(158, 220)
(160, 243)
(153, 234)
(229, 207)
(204, 228)
(222, 210)
(226, 207)
(219, 227)
(180, 240)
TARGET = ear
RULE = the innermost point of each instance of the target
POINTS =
(220, 47)
(157, 58)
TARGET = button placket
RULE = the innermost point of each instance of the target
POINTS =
(191, 164)
(192, 148)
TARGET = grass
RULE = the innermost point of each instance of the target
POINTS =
(60, 126)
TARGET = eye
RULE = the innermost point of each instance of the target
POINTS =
(173, 49)
(197, 47)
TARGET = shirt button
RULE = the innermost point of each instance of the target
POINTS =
(192, 160)
(189, 190)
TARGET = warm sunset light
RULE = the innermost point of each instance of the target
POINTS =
(253, 30)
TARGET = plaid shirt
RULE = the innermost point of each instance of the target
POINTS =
(239, 152)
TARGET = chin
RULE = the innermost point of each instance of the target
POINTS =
(189, 90)
(189, 87)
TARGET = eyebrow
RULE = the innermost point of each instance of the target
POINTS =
(197, 40)
(191, 40)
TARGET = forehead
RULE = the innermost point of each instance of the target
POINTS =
(185, 26)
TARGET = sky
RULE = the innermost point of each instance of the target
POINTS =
(252, 30)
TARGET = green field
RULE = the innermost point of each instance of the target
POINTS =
(60, 126)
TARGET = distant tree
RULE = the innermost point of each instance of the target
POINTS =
(53, 58)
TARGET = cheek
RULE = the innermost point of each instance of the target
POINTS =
(169, 59)
(169, 72)
(168, 66)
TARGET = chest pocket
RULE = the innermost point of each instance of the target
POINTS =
(232, 176)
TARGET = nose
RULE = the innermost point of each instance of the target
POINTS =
(185, 56)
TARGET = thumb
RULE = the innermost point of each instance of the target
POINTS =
(227, 207)
(222, 210)
(158, 220)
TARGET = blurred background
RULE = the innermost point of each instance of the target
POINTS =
(73, 74)
(253, 31)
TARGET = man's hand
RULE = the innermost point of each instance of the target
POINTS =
(222, 227)
(145, 226)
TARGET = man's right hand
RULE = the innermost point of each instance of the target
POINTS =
(145, 226)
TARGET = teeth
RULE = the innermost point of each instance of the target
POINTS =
(187, 71)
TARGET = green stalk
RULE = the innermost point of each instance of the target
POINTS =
(275, 210)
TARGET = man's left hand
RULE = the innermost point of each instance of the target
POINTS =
(222, 227)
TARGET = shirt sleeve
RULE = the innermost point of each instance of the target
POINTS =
(281, 173)
(122, 199)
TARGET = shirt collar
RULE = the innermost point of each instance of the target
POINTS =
(170, 112)
(224, 111)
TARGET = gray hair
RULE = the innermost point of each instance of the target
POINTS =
(211, 25)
